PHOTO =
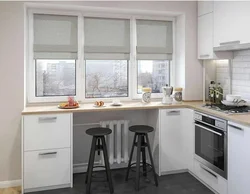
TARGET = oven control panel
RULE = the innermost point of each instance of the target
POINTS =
(220, 124)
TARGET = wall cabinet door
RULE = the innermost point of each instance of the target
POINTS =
(238, 159)
(205, 7)
(231, 19)
(205, 36)
(176, 142)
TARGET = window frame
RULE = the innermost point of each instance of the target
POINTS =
(80, 62)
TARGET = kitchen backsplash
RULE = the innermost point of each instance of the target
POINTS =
(222, 75)
(241, 73)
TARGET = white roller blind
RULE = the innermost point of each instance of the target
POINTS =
(154, 39)
(109, 38)
(55, 37)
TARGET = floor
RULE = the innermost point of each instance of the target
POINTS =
(13, 190)
(182, 183)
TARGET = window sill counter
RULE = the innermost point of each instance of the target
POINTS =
(196, 105)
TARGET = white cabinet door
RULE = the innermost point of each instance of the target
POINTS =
(47, 168)
(205, 7)
(231, 19)
(175, 140)
(238, 159)
(205, 36)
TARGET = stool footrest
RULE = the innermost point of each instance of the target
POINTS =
(147, 164)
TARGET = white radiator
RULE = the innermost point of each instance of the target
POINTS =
(117, 141)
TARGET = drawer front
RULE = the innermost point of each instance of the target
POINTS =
(217, 183)
(46, 168)
(47, 131)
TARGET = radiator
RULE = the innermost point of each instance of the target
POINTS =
(117, 141)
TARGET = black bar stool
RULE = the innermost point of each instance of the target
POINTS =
(141, 133)
(98, 144)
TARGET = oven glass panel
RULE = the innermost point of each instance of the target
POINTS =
(210, 146)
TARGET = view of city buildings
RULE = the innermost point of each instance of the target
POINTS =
(55, 78)
(153, 74)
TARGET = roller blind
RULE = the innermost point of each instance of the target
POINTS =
(106, 38)
(55, 37)
(154, 39)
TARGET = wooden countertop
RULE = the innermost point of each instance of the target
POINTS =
(198, 106)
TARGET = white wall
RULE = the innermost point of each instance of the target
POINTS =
(12, 69)
(11, 88)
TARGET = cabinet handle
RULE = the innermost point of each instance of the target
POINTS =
(44, 119)
(230, 42)
(204, 55)
(235, 127)
(174, 112)
(47, 153)
(214, 175)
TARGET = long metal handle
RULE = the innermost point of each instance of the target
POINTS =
(214, 175)
(208, 129)
(47, 153)
(44, 119)
(235, 127)
(230, 42)
(174, 112)
(204, 55)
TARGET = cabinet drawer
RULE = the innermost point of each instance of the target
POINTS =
(46, 168)
(216, 182)
(47, 131)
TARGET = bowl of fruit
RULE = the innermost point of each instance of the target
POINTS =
(70, 104)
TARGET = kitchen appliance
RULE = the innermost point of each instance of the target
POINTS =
(211, 142)
(228, 109)
(167, 92)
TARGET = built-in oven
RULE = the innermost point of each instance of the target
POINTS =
(211, 142)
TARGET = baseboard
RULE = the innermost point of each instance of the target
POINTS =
(13, 183)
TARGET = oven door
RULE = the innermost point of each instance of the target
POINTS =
(211, 148)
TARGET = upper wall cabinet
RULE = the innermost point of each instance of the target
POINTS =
(231, 23)
(205, 7)
(205, 36)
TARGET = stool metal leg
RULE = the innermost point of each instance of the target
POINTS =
(144, 162)
(138, 160)
(130, 158)
(108, 172)
(91, 164)
(151, 160)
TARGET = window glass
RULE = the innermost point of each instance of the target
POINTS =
(55, 78)
(153, 74)
(106, 78)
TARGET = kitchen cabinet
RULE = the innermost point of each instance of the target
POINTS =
(205, 36)
(205, 7)
(231, 19)
(238, 158)
(47, 151)
(176, 140)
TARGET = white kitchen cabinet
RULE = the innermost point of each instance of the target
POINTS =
(205, 36)
(231, 22)
(176, 140)
(238, 158)
(205, 7)
(46, 151)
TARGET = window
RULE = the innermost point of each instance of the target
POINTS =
(154, 53)
(149, 76)
(92, 57)
(55, 78)
(106, 78)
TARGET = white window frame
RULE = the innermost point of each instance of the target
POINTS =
(80, 63)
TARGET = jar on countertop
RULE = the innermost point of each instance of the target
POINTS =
(146, 95)
(177, 94)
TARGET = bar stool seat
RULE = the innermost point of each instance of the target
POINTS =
(141, 134)
(98, 144)
(98, 131)
(141, 129)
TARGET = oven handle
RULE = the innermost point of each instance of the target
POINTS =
(208, 129)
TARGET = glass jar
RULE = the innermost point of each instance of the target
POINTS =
(177, 94)
(146, 95)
